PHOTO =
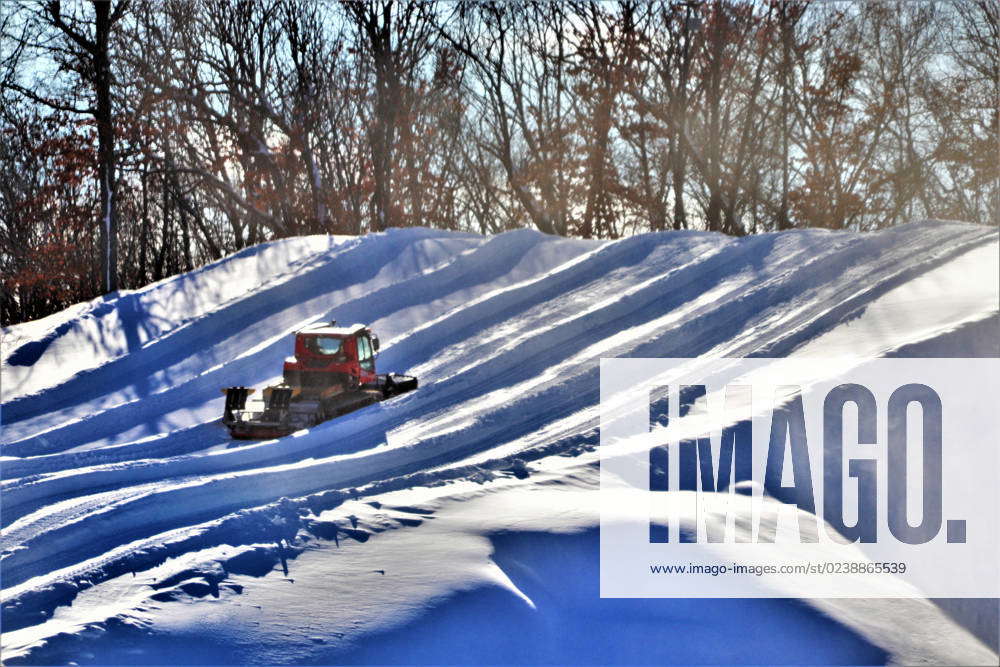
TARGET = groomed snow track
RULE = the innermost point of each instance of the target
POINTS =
(112, 446)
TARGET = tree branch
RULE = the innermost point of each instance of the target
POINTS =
(34, 97)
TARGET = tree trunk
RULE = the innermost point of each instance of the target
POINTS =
(783, 220)
(382, 142)
(105, 148)
(144, 233)
(713, 215)
(678, 160)
(597, 194)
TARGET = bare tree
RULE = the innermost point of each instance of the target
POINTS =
(214, 124)
(85, 50)
(395, 40)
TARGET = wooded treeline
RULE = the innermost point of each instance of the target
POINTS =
(141, 138)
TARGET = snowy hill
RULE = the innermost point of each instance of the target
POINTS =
(123, 494)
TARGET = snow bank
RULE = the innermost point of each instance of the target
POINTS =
(114, 462)
(90, 334)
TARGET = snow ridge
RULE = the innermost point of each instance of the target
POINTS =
(114, 460)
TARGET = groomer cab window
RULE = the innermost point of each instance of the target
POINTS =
(366, 356)
(327, 346)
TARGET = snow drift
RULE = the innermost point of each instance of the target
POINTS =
(116, 469)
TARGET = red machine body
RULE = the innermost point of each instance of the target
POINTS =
(332, 358)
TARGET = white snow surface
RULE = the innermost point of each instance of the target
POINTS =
(135, 531)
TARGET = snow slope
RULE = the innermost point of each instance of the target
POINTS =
(116, 471)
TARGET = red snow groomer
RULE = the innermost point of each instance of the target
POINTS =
(331, 374)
